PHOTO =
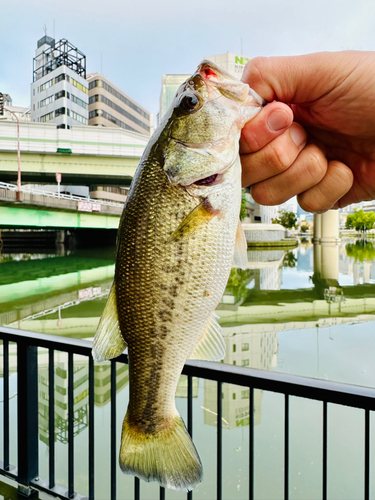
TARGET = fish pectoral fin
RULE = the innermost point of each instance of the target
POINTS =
(211, 346)
(108, 342)
(201, 214)
(240, 249)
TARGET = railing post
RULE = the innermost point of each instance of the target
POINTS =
(27, 363)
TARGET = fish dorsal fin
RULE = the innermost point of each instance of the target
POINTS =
(211, 346)
(240, 249)
(197, 217)
(108, 342)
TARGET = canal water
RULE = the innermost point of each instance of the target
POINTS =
(309, 311)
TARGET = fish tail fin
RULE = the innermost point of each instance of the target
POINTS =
(167, 456)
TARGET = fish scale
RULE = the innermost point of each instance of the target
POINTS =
(176, 245)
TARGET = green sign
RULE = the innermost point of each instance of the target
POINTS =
(241, 60)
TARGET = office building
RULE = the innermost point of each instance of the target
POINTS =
(169, 86)
(59, 92)
(14, 112)
(231, 63)
(110, 107)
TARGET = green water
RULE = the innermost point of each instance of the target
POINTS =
(308, 311)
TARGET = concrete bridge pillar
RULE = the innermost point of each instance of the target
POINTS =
(327, 227)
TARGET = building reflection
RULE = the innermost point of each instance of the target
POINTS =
(246, 345)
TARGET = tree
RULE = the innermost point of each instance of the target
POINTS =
(304, 228)
(360, 221)
(361, 250)
(286, 219)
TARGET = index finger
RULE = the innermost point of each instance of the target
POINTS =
(274, 119)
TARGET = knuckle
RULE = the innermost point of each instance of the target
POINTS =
(262, 194)
(312, 204)
(316, 163)
(253, 72)
(278, 156)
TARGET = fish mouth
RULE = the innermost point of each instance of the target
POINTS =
(211, 180)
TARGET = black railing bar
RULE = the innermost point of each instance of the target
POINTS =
(11, 472)
(137, 491)
(161, 493)
(65, 344)
(91, 430)
(6, 403)
(286, 447)
(251, 445)
(113, 431)
(51, 416)
(70, 426)
(57, 491)
(219, 451)
(294, 385)
(190, 416)
(325, 449)
(367, 455)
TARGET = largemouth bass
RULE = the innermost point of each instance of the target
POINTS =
(177, 239)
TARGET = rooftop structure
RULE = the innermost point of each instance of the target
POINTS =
(59, 92)
(109, 106)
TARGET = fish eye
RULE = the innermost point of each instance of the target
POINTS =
(190, 103)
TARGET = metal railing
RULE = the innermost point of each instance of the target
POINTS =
(27, 470)
(50, 194)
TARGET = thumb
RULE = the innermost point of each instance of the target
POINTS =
(300, 79)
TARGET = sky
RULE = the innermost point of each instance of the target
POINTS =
(135, 42)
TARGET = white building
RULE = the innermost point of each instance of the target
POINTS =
(231, 63)
(14, 112)
(59, 92)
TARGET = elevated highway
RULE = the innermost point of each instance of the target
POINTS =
(83, 155)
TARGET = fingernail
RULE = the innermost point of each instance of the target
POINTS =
(278, 120)
(298, 135)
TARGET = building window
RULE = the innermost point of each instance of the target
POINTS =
(99, 112)
(245, 347)
(62, 77)
(59, 112)
(121, 111)
(33, 91)
(78, 101)
(33, 107)
(234, 395)
(234, 347)
(46, 85)
(46, 101)
(245, 394)
(61, 126)
(78, 117)
(60, 94)
(47, 117)
(79, 86)
(245, 362)
(114, 92)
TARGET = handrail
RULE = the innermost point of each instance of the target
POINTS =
(51, 194)
(26, 473)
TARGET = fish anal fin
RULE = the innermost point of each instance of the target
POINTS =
(240, 249)
(200, 215)
(211, 346)
(108, 342)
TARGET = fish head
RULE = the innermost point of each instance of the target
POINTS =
(203, 125)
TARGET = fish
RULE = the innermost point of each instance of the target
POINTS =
(178, 237)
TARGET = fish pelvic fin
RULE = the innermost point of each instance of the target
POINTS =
(108, 341)
(211, 346)
(167, 456)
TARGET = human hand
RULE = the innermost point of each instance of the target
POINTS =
(332, 95)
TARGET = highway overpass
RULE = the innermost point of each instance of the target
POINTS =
(83, 155)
